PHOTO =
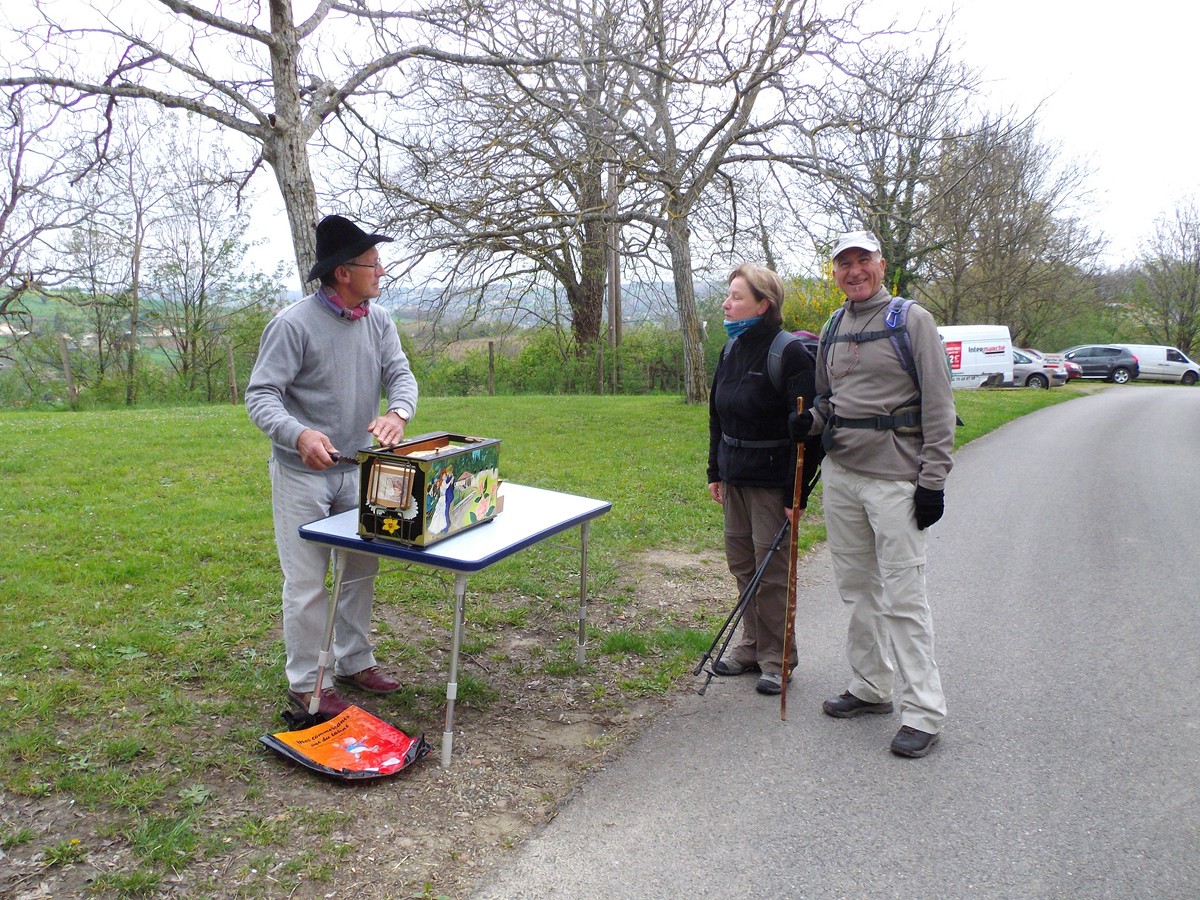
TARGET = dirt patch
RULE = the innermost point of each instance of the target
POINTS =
(283, 831)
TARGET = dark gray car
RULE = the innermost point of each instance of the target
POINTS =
(1105, 361)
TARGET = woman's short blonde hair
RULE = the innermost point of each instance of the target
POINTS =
(766, 285)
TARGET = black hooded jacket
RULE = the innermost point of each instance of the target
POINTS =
(745, 407)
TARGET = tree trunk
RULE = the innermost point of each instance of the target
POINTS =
(287, 154)
(587, 308)
(695, 379)
(285, 146)
(587, 301)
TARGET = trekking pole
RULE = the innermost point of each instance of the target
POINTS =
(790, 618)
(735, 616)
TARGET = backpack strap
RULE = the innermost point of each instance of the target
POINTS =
(779, 344)
(775, 357)
(896, 321)
(895, 330)
(830, 334)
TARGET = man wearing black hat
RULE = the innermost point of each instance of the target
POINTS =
(323, 364)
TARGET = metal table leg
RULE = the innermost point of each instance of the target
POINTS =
(583, 554)
(460, 596)
(339, 571)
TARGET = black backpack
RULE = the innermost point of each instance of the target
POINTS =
(774, 357)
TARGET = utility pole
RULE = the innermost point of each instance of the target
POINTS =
(614, 281)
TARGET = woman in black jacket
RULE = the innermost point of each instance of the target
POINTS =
(752, 463)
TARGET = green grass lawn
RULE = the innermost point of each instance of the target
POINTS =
(139, 587)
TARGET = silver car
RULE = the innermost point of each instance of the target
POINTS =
(1033, 369)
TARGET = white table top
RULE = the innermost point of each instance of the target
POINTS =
(530, 515)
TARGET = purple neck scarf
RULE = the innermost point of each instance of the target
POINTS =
(335, 303)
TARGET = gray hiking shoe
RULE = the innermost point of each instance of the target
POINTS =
(730, 667)
(770, 683)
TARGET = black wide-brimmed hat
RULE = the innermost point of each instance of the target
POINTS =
(339, 240)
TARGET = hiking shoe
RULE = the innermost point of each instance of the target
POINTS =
(373, 680)
(733, 667)
(770, 683)
(913, 742)
(847, 706)
(332, 703)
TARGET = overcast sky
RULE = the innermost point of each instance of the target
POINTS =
(1119, 84)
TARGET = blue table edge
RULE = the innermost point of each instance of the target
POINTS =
(432, 556)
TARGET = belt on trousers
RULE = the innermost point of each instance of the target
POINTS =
(754, 445)
(879, 423)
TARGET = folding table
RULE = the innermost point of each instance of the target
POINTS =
(530, 515)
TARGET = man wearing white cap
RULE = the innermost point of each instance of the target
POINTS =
(885, 410)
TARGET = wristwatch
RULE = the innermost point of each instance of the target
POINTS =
(402, 413)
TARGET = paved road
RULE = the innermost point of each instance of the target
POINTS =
(1063, 581)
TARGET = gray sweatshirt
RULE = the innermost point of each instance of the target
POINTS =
(318, 370)
(859, 381)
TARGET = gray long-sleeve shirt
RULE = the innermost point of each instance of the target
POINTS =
(864, 380)
(318, 370)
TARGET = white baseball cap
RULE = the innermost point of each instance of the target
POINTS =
(863, 240)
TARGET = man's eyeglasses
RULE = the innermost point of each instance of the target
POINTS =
(375, 265)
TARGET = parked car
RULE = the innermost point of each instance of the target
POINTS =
(1107, 361)
(1074, 370)
(1033, 369)
(1159, 362)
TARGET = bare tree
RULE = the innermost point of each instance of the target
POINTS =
(1166, 299)
(901, 110)
(195, 259)
(1010, 246)
(99, 288)
(673, 95)
(264, 75)
(711, 84)
(123, 195)
(497, 186)
(34, 166)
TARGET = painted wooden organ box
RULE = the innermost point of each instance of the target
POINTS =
(428, 487)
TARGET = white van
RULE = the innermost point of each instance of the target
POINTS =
(1161, 363)
(979, 354)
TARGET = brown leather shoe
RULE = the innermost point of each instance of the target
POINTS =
(331, 704)
(372, 680)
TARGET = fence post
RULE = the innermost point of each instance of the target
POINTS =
(233, 388)
(65, 352)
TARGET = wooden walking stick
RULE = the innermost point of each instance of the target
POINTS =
(790, 617)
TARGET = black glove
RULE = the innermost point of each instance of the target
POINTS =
(799, 425)
(929, 505)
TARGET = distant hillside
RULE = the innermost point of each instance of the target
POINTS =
(640, 302)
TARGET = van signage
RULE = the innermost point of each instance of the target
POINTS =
(954, 351)
(988, 349)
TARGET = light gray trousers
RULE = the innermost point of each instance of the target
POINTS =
(878, 556)
(297, 498)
